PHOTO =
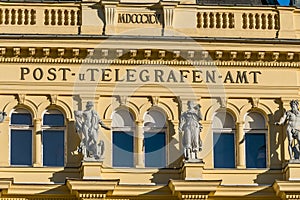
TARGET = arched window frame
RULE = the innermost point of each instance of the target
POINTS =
(222, 130)
(21, 127)
(153, 129)
(47, 127)
(262, 131)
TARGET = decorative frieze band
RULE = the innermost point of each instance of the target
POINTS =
(149, 56)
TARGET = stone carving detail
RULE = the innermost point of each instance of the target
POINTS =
(87, 126)
(292, 119)
(191, 128)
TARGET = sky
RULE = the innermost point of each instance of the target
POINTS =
(284, 2)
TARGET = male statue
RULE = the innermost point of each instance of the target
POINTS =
(87, 125)
(292, 119)
(191, 128)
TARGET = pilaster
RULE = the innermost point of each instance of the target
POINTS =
(139, 144)
(240, 145)
(37, 143)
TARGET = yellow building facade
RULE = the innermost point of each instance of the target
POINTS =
(140, 63)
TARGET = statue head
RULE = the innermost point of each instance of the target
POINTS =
(294, 104)
(190, 104)
(89, 105)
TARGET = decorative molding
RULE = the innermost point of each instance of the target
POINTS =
(194, 196)
(275, 56)
(21, 98)
(150, 57)
(233, 55)
(261, 55)
(76, 52)
(2, 51)
(17, 51)
(133, 53)
(255, 102)
(60, 52)
(120, 52)
(122, 100)
(247, 55)
(104, 53)
(147, 54)
(31, 52)
(223, 102)
(53, 98)
(161, 54)
(176, 54)
(155, 100)
(46, 52)
(218, 54)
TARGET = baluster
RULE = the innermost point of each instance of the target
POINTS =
(46, 13)
(52, 16)
(76, 17)
(263, 21)
(251, 21)
(56, 17)
(205, 21)
(198, 20)
(245, 20)
(270, 21)
(72, 17)
(211, 20)
(224, 19)
(59, 17)
(13, 16)
(25, 17)
(257, 21)
(218, 20)
(231, 20)
(276, 22)
(1, 16)
(20, 17)
(32, 17)
(69, 17)
(62, 17)
(79, 17)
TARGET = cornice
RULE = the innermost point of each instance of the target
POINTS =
(218, 58)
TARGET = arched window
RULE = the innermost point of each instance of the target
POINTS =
(255, 138)
(21, 137)
(224, 140)
(123, 138)
(155, 139)
(53, 138)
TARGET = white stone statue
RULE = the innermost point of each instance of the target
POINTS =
(191, 127)
(292, 120)
(2, 116)
(87, 126)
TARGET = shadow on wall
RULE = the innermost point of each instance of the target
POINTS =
(61, 176)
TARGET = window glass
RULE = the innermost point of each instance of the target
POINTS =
(53, 138)
(224, 140)
(155, 149)
(123, 149)
(255, 139)
(53, 148)
(255, 150)
(21, 119)
(53, 119)
(224, 153)
(21, 147)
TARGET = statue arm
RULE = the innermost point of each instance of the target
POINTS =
(182, 121)
(282, 119)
